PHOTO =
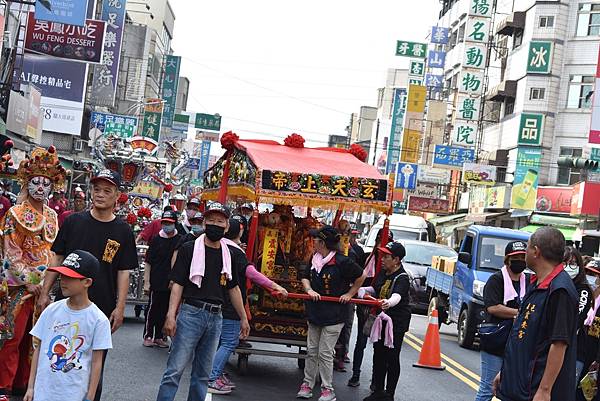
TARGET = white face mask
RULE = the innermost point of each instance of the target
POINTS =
(39, 188)
(591, 280)
(572, 270)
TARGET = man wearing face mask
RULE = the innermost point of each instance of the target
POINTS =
(502, 297)
(29, 229)
(156, 279)
(204, 270)
(192, 207)
(540, 354)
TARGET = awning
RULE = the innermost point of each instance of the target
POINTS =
(445, 219)
(547, 220)
(483, 217)
(448, 230)
(568, 232)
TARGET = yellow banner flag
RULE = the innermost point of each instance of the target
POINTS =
(269, 252)
(411, 142)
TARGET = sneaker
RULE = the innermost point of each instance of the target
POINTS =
(378, 396)
(338, 366)
(327, 394)
(161, 343)
(217, 387)
(305, 391)
(354, 381)
(227, 381)
(148, 342)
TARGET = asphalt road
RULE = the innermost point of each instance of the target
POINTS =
(133, 372)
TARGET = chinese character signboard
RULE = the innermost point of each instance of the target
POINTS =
(432, 175)
(208, 121)
(525, 184)
(436, 59)
(417, 68)
(434, 81)
(439, 35)
(332, 186)
(478, 30)
(415, 81)
(530, 129)
(71, 12)
(150, 133)
(114, 124)
(465, 133)
(411, 141)
(406, 176)
(475, 56)
(539, 59)
(468, 108)
(204, 156)
(471, 82)
(169, 89)
(428, 205)
(480, 8)
(105, 76)
(452, 157)
(411, 49)
(479, 174)
(77, 43)
(399, 109)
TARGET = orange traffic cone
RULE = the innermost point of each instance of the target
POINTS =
(430, 356)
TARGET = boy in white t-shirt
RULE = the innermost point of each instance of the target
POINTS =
(73, 334)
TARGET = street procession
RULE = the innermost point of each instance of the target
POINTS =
(332, 201)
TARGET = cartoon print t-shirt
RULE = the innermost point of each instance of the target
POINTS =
(68, 338)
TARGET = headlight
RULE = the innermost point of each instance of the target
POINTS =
(478, 288)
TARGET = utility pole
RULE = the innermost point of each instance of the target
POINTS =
(376, 141)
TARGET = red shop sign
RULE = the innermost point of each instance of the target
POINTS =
(554, 199)
(428, 205)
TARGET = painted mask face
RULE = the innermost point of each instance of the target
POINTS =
(39, 188)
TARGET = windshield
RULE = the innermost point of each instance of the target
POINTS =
(399, 234)
(422, 253)
(491, 252)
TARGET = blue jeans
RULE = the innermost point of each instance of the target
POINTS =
(490, 367)
(230, 338)
(197, 337)
(578, 369)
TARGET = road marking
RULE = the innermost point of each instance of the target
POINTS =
(469, 382)
(448, 359)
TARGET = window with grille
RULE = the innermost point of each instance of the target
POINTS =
(566, 175)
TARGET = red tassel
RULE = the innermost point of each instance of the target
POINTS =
(252, 234)
(385, 232)
(225, 180)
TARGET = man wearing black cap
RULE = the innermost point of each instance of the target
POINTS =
(156, 279)
(110, 240)
(192, 207)
(391, 285)
(331, 274)
(204, 269)
(73, 334)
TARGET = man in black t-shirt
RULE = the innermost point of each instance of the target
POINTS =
(110, 240)
(203, 270)
(540, 355)
(156, 279)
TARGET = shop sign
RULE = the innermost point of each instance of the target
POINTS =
(479, 174)
(428, 205)
(417, 68)
(207, 121)
(452, 156)
(530, 129)
(411, 49)
(436, 59)
(398, 112)
(480, 8)
(71, 12)
(149, 134)
(478, 30)
(439, 35)
(71, 42)
(104, 84)
(207, 136)
(434, 81)
(471, 81)
(554, 199)
(464, 133)
(115, 124)
(497, 198)
(333, 186)
(525, 184)
(204, 156)
(432, 175)
(468, 108)
(169, 88)
(424, 191)
(411, 141)
(475, 56)
(415, 81)
(406, 176)
(539, 59)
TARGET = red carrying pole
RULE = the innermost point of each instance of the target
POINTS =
(252, 234)
(370, 302)
(338, 216)
(385, 232)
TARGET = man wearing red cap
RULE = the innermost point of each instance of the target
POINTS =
(29, 230)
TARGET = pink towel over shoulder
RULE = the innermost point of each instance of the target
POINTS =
(509, 289)
(199, 261)
(251, 273)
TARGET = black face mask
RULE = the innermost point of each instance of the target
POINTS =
(214, 233)
(517, 266)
